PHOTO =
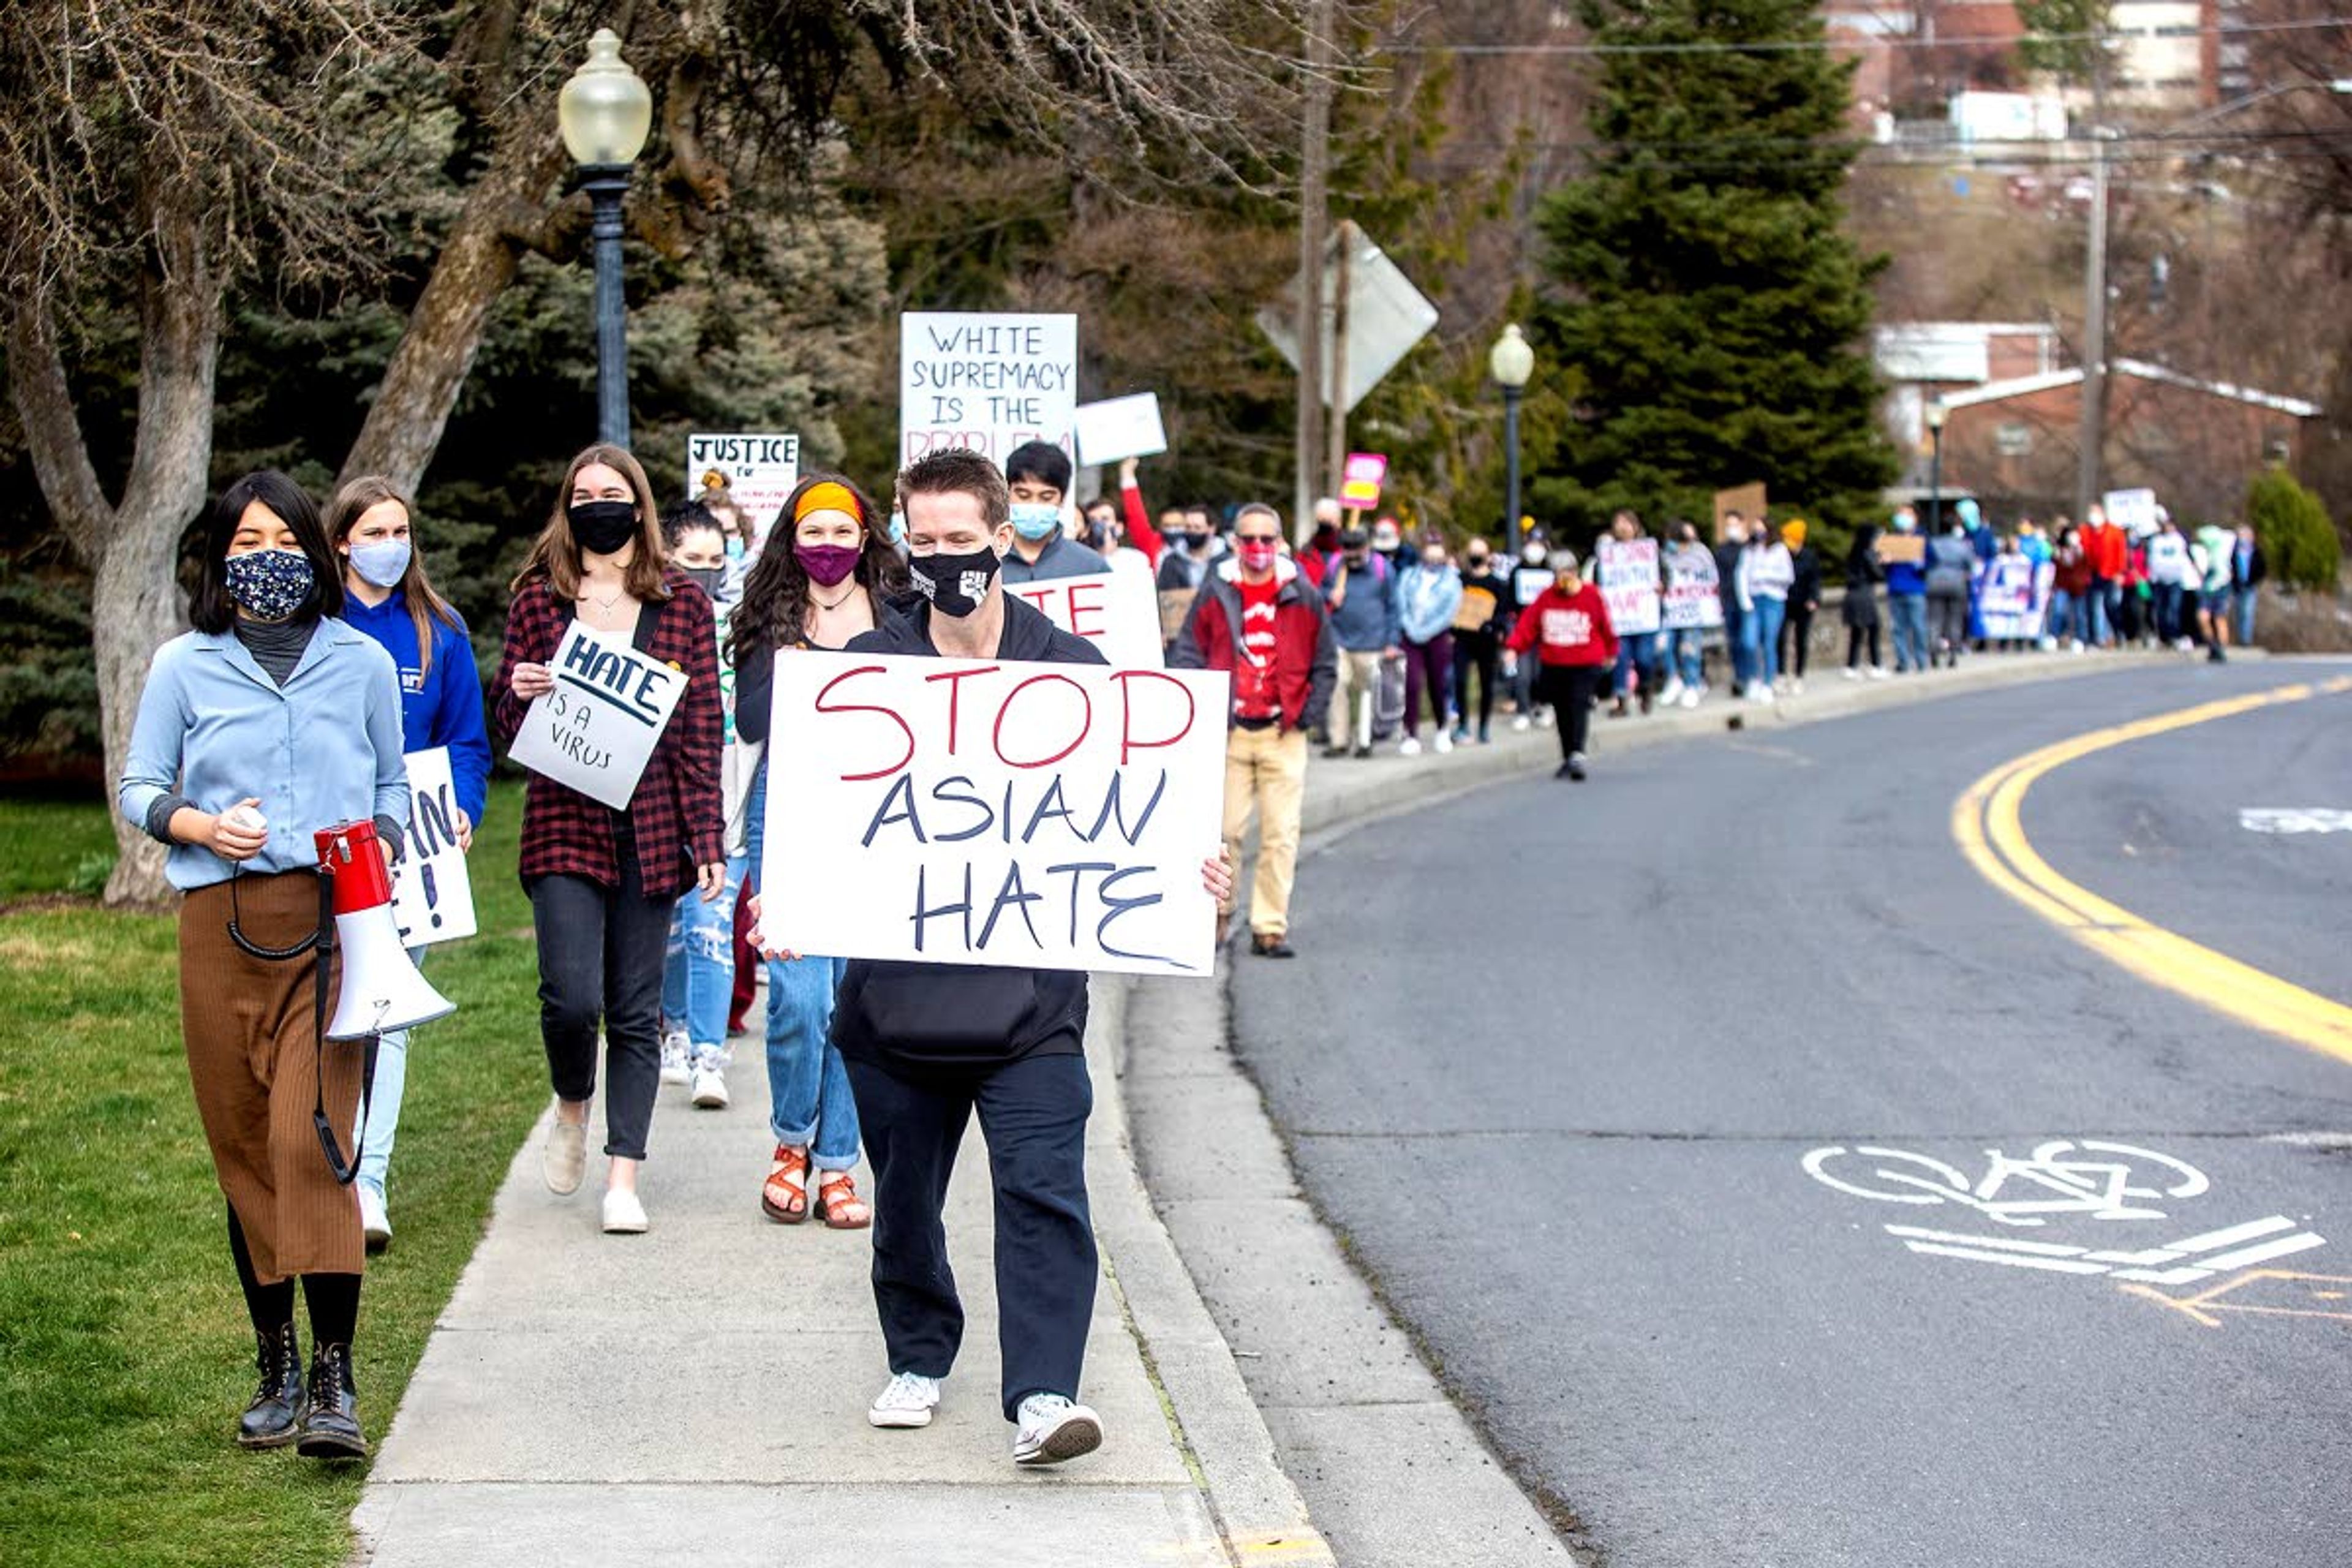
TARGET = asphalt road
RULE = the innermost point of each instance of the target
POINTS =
(1554, 1056)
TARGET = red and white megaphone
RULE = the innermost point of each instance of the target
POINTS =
(382, 990)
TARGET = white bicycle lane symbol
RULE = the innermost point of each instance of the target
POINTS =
(2063, 1178)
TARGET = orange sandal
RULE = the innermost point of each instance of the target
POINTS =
(785, 1195)
(838, 1205)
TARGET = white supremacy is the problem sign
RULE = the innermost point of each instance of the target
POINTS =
(595, 731)
(1013, 814)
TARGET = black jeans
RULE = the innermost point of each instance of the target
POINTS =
(1032, 1112)
(1569, 688)
(1796, 639)
(599, 960)
(1475, 651)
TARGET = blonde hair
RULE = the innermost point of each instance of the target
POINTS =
(425, 606)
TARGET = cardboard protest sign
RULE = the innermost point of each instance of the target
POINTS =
(1360, 480)
(1007, 815)
(431, 896)
(1118, 611)
(595, 731)
(1175, 606)
(2014, 597)
(1692, 597)
(757, 471)
(1747, 501)
(1902, 548)
(1120, 428)
(1627, 572)
(986, 382)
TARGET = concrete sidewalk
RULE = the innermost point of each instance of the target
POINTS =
(699, 1393)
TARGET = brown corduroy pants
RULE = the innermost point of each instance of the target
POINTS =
(250, 1025)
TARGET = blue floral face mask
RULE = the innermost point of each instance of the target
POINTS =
(269, 585)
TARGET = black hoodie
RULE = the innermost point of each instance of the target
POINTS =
(914, 1019)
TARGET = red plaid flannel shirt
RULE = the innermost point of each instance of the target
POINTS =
(677, 813)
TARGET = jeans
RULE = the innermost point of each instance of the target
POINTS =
(1950, 614)
(2058, 618)
(1735, 643)
(1637, 650)
(382, 1107)
(2110, 608)
(2168, 610)
(1761, 634)
(810, 1103)
(1687, 654)
(1479, 652)
(1909, 612)
(1032, 1112)
(699, 968)
(599, 960)
(1428, 666)
(2242, 616)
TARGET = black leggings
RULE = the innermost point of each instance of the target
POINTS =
(1853, 636)
(333, 1299)
(1796, 639)
(1481, 654)
(1569, 688)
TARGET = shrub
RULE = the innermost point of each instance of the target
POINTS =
(2296, 536)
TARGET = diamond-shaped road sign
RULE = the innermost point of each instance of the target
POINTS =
(1386, 315)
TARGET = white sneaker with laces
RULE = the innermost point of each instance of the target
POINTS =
(1691, 694)
(375, 1226)
(1521, 724)
(1441, 742)
(565, 1159)
(1879, 672)
(1053, 1429)
(1671, 692)
(676, 1054)
(710, 1087)
(1410, 748)
(1761, 692)
(624, 1215)
(906, 1401)
(1852, 672)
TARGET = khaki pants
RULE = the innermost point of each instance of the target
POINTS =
(1265, 769)
(1359, 684)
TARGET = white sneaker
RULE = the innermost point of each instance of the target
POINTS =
(1441, 742)
(1852, 672)
(676, 1053)
(1761, 692)
(1879, 672)
(1411, 747)
(908, 1402)
(1520, 725)
(375, 1226)
(565, 1159)
(1671, 692)
(1053, 1430)
(1691, 694)
(1797, 686)
(624, 1215)
(1543, 720)
(709, 1088)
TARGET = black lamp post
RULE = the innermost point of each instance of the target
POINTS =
(1937, 413)
(1511, 363)
(605, 113)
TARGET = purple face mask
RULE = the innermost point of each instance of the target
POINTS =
(828, 566)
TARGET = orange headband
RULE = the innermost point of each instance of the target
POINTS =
(828, 497)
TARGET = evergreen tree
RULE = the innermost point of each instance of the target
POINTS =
(1708, 295)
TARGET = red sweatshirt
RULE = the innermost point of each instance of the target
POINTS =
(1574, 626)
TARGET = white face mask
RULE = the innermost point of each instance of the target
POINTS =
(1533, 554)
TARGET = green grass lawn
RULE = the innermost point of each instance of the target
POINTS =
(54, 847)
(125, 1355)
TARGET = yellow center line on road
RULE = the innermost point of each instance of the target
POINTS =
(1987, 821)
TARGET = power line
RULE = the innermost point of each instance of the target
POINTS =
(1785, 45)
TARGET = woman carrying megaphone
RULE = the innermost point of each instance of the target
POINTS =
(272, 719)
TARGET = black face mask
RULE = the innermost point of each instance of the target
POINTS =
(955, 585)
(1196, 541)
(710, 578)
(602, 527)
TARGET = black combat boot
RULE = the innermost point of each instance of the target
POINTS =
(330, 1427)
(272, 1419)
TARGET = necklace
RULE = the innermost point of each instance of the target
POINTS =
(607, 602)
(847, 594)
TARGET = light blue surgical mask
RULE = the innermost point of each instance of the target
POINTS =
(1035, 518)
(898, 529)
(382, 563)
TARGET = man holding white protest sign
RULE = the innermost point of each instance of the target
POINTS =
(992, 1017)
(609, 692)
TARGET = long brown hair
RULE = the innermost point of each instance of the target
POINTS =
(773, 613)
(555, 554)
(414, 588)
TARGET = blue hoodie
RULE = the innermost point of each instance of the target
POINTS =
(1905, 578)
(440, 707)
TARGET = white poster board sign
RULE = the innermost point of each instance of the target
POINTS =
(1015, 815)
(1120, 428)
(987, 382)
(595, 731)
(431, 896)
(1627, 572)
(2014, 596)
(1116, 611)
(757, 470)
(1693, 601)
(2134, 511)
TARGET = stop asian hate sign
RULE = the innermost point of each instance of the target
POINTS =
(1011, 815)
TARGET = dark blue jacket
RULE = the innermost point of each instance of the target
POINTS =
(439, 706)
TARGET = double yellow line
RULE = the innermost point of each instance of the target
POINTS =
(1987, 822)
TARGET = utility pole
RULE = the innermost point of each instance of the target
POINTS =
(2091, 440)
(1336, 405)
(1314, 166)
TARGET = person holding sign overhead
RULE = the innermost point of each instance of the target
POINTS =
(602, 881)
(388, 596)
(270, 720)
(828, 581)
(927, 1045)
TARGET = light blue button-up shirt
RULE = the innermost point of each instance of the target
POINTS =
(324, 749)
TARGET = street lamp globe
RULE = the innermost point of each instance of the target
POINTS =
(605, 112)
(1512, 360)
(1937, 414)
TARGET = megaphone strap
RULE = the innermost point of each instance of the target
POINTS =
(320, 938)
(324, 939)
